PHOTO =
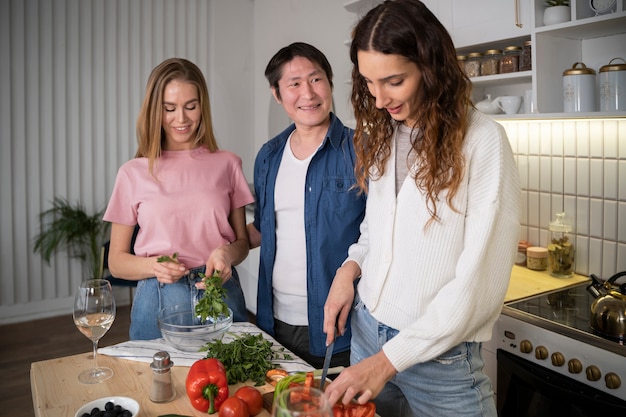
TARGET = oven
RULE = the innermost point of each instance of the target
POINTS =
(551, 363)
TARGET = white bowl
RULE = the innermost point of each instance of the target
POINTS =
(181, 328)
(126, 403)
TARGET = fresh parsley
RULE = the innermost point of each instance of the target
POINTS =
(246, 357)
(212, 304)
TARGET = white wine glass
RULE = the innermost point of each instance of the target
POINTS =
(94, 312)
(301, 401)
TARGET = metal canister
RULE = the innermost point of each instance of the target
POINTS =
(613, 86)
(579, 89)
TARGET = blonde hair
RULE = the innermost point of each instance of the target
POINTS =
(150, 135)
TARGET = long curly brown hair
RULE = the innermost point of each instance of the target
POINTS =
(409, 29)
(150, 134)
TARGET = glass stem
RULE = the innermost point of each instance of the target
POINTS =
(95, 355)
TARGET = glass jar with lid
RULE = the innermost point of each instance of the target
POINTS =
(472, 65)
(461, 60)
(491, 62)
(510, 59)
(525, 59)
(560, 248)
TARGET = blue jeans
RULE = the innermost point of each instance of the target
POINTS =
(453, 384)
(151, 296)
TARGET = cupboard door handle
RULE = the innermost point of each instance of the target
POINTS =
(517, 21)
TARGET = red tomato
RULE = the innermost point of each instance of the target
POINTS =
(252, 397)
(354, 410)
(234, 407)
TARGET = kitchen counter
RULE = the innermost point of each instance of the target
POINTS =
(57, 392)
(527, 283)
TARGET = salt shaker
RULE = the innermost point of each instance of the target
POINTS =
(162, 390)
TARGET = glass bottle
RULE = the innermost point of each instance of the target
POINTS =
(560, 248)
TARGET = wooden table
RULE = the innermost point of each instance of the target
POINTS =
(58, 393)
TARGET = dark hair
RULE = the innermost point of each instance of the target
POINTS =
(150, 135)
(407, 28)
(274, 69)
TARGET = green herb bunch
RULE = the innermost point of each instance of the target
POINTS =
(212, 304)
(246, 357)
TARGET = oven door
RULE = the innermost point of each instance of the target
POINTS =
(526, 389)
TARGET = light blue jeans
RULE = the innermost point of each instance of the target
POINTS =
(151, 296)
(452, 385)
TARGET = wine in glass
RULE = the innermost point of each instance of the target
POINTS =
(301, 401)
(94, 312)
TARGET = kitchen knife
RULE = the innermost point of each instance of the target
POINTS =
(329, 354)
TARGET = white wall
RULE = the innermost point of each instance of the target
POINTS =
(323, 23)
(72, 79)
(71, 82)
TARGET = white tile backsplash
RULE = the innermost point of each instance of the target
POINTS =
(576, 166)
(596, 145)
(581, 133)
(596, 178)
(621, 222)
(611, 179)
(582, 176)
(610, 221)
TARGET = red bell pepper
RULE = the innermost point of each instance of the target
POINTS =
(207, 385)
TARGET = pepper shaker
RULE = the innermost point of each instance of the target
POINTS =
(162, 390)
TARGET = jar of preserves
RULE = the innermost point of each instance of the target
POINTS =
(537, 258)
(472, 65)
(510, 59)
(491, 62)
(560, 248)
(525, 59)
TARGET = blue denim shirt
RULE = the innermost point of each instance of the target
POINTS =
(333, 213)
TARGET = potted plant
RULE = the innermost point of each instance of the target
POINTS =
(557, 11)
(67, 226)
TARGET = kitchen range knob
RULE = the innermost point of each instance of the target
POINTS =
(525, 346)
(558, 359)
(574, 366)
(541, 352)
(593, 373)
(612, 381)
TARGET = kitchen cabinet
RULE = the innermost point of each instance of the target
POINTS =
(479, 25)
(587, 38)
(477, 22)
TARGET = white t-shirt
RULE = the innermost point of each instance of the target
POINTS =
(289, 276)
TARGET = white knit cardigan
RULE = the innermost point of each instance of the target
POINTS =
(443, 284)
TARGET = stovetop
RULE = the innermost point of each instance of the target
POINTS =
(566, 312)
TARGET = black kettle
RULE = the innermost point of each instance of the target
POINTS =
(608, 310)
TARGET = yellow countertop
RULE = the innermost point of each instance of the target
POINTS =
(527, 283)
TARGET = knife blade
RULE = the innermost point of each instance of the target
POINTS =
(329, 354)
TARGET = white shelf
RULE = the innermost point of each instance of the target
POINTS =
(502, 79)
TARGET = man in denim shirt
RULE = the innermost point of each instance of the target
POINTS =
(307, 211)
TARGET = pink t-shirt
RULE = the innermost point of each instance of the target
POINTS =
(185, 208)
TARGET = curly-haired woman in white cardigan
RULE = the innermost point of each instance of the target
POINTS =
(441, 226)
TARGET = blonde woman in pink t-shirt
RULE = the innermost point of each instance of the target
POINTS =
(187, 197)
